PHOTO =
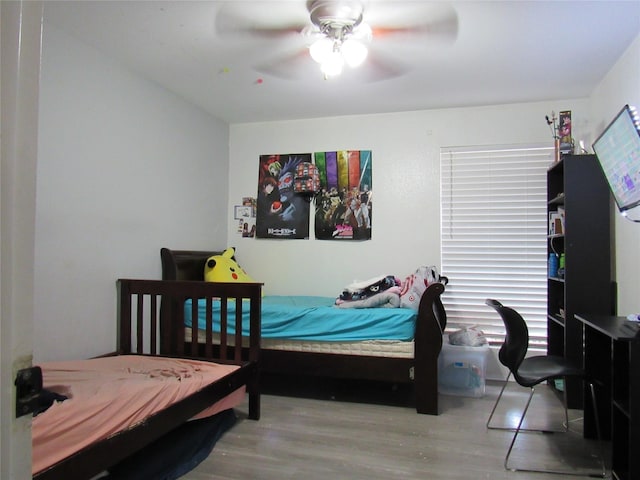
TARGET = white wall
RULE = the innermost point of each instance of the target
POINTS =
(619, 87)
(124, 168)
(406, 191)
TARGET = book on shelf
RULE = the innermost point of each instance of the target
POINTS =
(556, 222)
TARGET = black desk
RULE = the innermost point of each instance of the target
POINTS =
(612, 357)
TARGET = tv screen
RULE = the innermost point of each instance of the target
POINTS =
(618, 151)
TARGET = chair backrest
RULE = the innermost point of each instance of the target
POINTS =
(516, 340)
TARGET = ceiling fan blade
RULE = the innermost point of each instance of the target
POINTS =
(378, 67)
(266, 19)
(391, 20)
(290, 66)
(438, 21)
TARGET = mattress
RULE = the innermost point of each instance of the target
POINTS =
(370, 348)
(107, 395)
(315, 319)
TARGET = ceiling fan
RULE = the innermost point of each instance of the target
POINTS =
(339, 33)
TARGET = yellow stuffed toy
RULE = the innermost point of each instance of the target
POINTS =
(224, 268)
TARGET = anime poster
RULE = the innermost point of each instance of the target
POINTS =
(344, 205)
(280, 212)
(564, 132)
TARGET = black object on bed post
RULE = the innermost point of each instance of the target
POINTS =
(432, 320)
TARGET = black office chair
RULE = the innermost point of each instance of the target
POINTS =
(532, 371)
(565, 425)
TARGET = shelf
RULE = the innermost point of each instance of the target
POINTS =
(612, 359)
(576, 186)
(557, 200)
(619, 475)
(556, 318)
(622, 456)
(556, 279)
(622, 406)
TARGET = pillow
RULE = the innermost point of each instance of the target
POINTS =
(224, 268)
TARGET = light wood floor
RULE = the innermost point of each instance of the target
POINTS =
(331, 437)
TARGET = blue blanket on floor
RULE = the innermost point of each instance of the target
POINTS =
(311, 318)
(176, 453)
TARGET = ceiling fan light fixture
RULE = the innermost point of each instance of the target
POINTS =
(333, 65)
(354, 52)
(321, 49)
(344, 36)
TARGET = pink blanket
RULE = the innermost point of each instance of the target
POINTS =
(109, 394)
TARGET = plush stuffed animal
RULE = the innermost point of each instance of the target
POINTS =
(415, 284)
(224, 268)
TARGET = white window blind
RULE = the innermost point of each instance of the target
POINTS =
(494, 234)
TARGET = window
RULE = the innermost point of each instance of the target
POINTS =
(493, 235)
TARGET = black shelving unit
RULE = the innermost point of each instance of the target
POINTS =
(612, 357)
(576, 185)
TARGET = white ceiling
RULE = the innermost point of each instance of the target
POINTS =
(504, 52)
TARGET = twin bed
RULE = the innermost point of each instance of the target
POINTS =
(166, 373)
(119, 404)
(408, 355)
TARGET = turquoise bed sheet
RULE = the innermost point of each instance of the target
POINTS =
(312, 318)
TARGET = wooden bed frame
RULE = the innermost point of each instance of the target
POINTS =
(140, 332)
(421, 371)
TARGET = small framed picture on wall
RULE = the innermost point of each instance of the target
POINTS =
(242, 211)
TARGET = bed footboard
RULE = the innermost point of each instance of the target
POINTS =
(421, 370)
(431, 322)
(151, 321)
(140, 331)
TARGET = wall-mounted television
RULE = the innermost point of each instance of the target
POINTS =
(618, 151)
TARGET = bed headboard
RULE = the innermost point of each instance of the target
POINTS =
(184, 264)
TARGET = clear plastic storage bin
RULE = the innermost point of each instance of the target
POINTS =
(462, 370)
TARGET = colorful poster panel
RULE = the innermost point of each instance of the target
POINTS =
(280, 212)
(564, 132)
(343, 207)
